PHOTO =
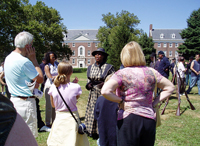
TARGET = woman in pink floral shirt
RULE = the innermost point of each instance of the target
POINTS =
(134, 92)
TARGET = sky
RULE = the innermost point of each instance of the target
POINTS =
(87, 14)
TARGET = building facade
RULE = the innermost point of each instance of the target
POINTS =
(82, 44)
(166, 40)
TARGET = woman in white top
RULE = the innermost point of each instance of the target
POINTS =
(50, 72)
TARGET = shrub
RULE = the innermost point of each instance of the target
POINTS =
(79, 70)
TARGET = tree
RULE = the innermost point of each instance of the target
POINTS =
(147, 45)
(11, 15)
(119, 30)
(40, 20)
(191, 36)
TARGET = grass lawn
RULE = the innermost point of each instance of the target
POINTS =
(175, 130)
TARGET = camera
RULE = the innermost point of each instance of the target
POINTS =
(82, 128)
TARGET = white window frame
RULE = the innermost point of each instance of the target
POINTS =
(83, 51)
(176, 54)
(159, 44)
(164, 45)
(96, 44)
(173, 36)
(73, 61)
(88, 61)
(161, 35)
(73, 53)
(176, 45)
(89, 53)
(170, 45)
(165, 52)
(73, 45)
(89, 44)
(170, 53)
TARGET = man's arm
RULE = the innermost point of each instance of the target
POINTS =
(32, 57)
(167, 64)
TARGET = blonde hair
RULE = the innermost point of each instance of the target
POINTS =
(132, 55)
(64, 70)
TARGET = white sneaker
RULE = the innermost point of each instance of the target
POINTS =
(45, 129)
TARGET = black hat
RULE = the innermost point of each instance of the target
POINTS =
(191, 58)
(153, 55)
(161, 52)
(99, 50)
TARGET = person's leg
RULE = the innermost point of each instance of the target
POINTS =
(39, 118)
(128, 130)
(48, 113)
(147, 137)
(20, 134)
(187, 79)
(26, 108)
(192, 84)
(198, 84)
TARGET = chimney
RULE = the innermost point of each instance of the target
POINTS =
(150, 30)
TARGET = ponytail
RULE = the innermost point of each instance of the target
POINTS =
(60, 79)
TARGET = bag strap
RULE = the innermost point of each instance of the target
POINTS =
(67, 106)
(155, 89)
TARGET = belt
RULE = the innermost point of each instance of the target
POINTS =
(25, 98)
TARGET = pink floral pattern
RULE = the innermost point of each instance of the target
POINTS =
(136, 86)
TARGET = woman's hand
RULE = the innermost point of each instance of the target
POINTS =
(75, 80)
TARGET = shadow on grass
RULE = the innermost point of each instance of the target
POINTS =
(184, 110)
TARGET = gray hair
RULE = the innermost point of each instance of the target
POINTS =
(22, 39)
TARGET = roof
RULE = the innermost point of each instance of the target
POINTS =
(167, 34)
(88, 33)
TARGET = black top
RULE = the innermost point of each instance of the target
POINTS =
(105, 113)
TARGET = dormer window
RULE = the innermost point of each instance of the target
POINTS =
(161, 35)
(173, 36)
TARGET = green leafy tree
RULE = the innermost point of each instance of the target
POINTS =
(11, 16)
(40, 20)
(191, 36)
(147, 45)
(119, 30)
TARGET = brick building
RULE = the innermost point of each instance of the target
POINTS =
(166, 40)
(82, 44)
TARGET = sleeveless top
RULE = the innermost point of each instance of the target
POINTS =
(196, 67)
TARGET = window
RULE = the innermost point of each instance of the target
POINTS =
(159, 45)
(170, 53)
(88, 44)
(170, 45)
(88, 61)
(165, 53)
(176, 45)
(81, 51)
(88, 53)
(96, 44)
(165, 45)
(176, 54)
(173, 36)
(73, 53)
(73, 44)
(161, 35)
(73, 61)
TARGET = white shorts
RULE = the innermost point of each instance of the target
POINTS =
(27, 110)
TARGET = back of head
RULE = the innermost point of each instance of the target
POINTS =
(64, 70)
(132, 55)
(22, 39)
